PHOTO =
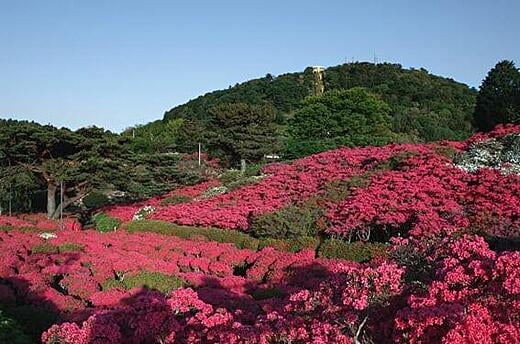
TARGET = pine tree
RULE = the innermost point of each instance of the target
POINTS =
(498, 100)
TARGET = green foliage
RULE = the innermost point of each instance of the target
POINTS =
(240, 239)
(234, 179)
(34, 319)
(356, 251)
(147, 279)
(242, 131)
(296, 148)
(268, 293)
(176, 199)
(498, 100)
(423, 107)
(45, 248)
(157, 136)
(70, 247)
(104, 223)
(95, 200)
(354, 114)
(62, 248)
(289, 223)
(12, 332)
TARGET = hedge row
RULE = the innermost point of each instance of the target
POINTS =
(329, 248)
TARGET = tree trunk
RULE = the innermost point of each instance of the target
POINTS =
(51, 200)
(66, 202)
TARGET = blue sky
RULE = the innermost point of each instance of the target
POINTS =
(119, 63)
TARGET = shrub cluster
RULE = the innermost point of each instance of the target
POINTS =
(105, 223)
(146, 279)
(356, 251)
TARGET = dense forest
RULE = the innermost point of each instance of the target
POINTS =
(422, 107)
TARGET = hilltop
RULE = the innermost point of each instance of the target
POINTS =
(425, 105)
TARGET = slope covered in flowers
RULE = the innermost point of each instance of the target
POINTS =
(410, 188)
(437, 281)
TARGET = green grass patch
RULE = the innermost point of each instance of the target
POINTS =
(147, 279)
(45, 248)
(104, 223)
(240, 239)
(176, 199)
(62, 248)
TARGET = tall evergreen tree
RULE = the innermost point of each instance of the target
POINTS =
(243, 131)
(498, 100)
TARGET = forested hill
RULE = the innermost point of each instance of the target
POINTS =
(422, 105)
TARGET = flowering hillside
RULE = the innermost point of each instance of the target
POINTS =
(447, 268)
(412, 188)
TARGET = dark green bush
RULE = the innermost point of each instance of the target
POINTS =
(234, 179)
(176, 199)
(95, 200)
(288, 223)
(12, 332)
(268, 293)
(104, 223)
(356, 251)
(147, 279)
(34, 319)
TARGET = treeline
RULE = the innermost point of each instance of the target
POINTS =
(38, 161)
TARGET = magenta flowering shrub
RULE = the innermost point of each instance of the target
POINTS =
(439, 283)
(473, 296)
(427, 195)
(289, 184)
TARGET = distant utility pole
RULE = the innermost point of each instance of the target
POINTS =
(200, 153)
(61, 204)
(10, 198)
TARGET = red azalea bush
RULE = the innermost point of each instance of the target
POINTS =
(290, 184)
(126, 212)
(472, 295)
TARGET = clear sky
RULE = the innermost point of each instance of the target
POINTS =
(118, 63)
